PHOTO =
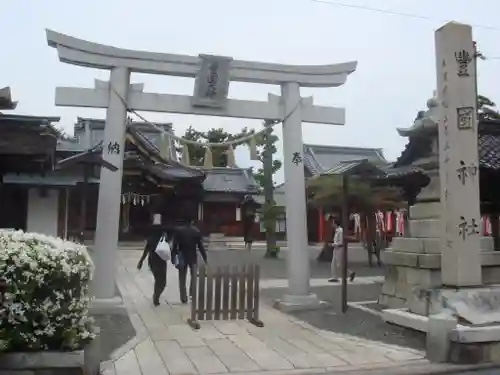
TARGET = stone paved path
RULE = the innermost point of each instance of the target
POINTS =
(165, 344)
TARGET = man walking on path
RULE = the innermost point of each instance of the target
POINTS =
(338, 252)
(188, 239)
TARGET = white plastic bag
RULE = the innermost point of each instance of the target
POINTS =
(163, 249)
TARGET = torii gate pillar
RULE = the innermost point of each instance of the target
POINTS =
(298, 294)
(110, 187)
(213, 75)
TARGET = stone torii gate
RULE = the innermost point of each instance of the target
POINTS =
(213, 75)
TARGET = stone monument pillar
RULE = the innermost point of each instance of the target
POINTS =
(433, 252)
(458, 161)
(435, 276)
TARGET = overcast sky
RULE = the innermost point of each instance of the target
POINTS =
(394, 79)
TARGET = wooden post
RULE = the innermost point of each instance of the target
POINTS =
(254, 317)
(194, 299)
(249, 281)
(345, 224)
(210, 294)
(241, 294)
(201, 292)
(225, 293)
(234, 293)
(321, 225)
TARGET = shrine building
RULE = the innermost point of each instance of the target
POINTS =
(50, 182)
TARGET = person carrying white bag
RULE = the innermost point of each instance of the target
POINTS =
(158, 250)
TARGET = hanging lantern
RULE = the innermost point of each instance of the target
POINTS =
(207, 160)
(164, 146)
(254, 155)
(185, 154)
(230, 156)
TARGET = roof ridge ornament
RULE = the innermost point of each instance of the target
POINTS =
(425, 121)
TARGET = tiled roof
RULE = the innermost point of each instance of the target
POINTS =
(489, 151)
(150, 135)
(488, 146)
(166, 172)
(319, 159)
(354, 167)
(148, 138)
(232, 180)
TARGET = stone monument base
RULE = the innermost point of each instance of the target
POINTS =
(476, 335)
(414, 266)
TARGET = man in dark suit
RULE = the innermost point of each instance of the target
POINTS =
(188, 240)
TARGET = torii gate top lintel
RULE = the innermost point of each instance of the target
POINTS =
(93, 55)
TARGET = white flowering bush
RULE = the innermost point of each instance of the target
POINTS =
(46, 306)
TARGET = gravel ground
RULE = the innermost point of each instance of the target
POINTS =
(354, 322)
(277, 268)
(116, 330)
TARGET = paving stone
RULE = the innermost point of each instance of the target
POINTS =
(291, 353)
(230, 328)
(149, 359)
(327, 345)
(286, 345)
(305, 346)
(328, 360)
(233, 357)
(168, 316)
(264, 356)
(128, 365)
(357, 357)
(403, 355)
(205, 360)
(174, 358)
(209, 332)
(185, 336)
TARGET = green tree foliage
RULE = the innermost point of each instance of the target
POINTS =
(326, 192)
(266, 142)
(266, 147)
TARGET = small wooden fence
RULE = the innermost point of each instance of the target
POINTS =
(228, 293)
